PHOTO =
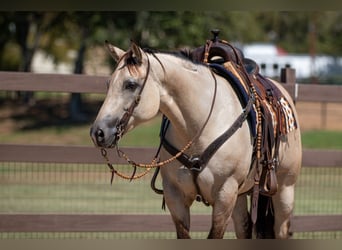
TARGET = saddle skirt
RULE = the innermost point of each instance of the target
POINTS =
(270, 97)
(229, 62)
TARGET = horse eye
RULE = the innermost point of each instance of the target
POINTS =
(130, 85)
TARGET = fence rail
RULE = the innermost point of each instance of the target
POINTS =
(17, 81)
(89, 154)
(20, 81)
(140, 223)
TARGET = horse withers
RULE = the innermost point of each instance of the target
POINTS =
(201, 106)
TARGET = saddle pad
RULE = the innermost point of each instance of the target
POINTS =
(287, 119)
(239, 87)
(288, 115)
(268, 93)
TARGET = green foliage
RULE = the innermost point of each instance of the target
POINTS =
(10, 58)
(57, 32)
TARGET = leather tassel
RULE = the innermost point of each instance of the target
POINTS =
(112, 178)
(255, 198)
(133, 174)
(163, 204)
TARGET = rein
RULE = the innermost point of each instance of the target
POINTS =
(198, 162)
(121, 127)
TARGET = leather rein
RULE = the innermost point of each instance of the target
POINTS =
(122, 125)
(194, 163)
(198, 162)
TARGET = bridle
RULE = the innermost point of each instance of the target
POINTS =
(122, 126)
(194, 163)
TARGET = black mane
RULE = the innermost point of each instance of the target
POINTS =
(182, 53)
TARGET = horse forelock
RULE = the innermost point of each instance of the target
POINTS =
(131, 62)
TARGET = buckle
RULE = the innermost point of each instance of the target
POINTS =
(196, 164)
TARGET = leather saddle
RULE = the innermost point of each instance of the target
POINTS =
(220, 51)
(226, 60)
(217, 51)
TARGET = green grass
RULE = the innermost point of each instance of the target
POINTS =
(71, 188)
(61, 188)
(318, 191)
(322, 139)
(145, 135)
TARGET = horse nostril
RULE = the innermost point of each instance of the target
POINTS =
(100, 135)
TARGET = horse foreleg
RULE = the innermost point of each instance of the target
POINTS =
(180, 211)
(222, 210)
(242, 222)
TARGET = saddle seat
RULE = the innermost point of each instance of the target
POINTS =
(218, 52)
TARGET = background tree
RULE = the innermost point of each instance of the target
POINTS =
(57, 33)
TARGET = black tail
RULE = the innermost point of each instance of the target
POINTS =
(264, 226)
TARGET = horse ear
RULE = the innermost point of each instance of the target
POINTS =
(136, 52)
(115, 52)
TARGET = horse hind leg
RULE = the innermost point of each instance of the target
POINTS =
(283, 203)
(264, 226)
(242, 221)
(283, 200)
(274, 214)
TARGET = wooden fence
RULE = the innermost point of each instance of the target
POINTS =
(15, 81)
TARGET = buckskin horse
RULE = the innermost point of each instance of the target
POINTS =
(213, 148)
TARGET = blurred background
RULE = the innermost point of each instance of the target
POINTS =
(70, 39)
(72, 43)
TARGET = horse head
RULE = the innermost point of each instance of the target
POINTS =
(131, 99)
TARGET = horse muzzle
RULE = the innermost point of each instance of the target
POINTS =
(104, 136)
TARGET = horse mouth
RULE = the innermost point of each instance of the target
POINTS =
(113, 139)
(106, 137)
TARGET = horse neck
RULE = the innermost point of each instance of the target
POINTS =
(188, 91)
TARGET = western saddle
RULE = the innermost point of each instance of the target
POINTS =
(270, 116)
(268, 121)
